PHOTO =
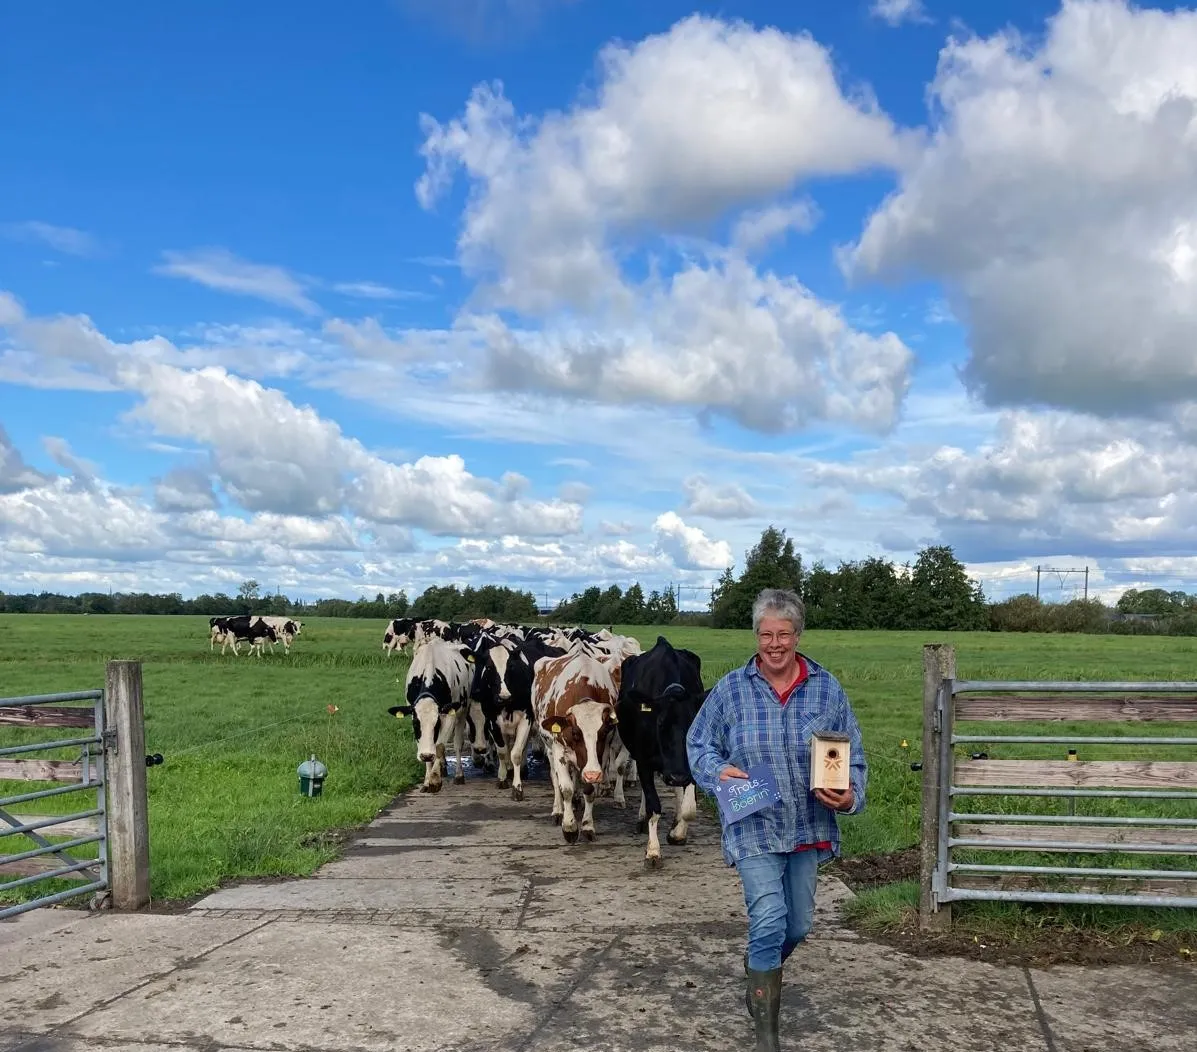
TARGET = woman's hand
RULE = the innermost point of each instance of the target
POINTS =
(836, 799)
(731, 772)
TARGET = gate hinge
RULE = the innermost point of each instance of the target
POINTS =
(109, 740)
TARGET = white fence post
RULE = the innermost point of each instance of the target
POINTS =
(128, 810)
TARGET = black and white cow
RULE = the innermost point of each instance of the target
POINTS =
(285, 630)
(437, 689)
(241, 628)
(502, 684)
(660, 693)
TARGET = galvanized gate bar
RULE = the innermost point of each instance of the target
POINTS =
(30, 829)
(963, 686)
(1057, 708)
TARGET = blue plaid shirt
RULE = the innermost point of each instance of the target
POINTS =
(742, 723)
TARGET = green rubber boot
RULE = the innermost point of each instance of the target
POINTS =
(764, 997)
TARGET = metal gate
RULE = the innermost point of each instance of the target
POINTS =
(85, 774)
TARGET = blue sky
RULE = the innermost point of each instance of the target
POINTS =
(553, 292)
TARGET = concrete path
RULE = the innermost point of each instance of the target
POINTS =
(462, 923)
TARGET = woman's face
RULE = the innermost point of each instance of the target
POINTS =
(776, 641)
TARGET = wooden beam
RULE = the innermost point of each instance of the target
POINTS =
(45, 770)
(32, 867)
(1114, 885)
(939, 663)
(1033, 708)
(128, 808)
(79, 827)
(1078, 774)
(46, 716)
(1111, 837)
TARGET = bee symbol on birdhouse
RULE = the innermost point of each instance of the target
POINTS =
(830, 754)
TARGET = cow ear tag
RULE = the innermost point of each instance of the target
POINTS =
(556, 728)
(470, 658)
(614, 718)
(646, 708)
(398, 715)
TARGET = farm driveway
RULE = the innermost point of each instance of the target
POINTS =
(461, 922)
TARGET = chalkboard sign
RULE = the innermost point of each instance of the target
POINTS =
(740, 797)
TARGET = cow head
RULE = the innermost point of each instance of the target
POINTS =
(430, 715)
(584, 731)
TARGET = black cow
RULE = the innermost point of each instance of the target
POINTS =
(660, 693)
(502, 685)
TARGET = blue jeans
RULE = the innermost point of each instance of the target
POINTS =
(779, 891)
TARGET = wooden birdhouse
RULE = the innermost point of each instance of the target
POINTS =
(830, 760)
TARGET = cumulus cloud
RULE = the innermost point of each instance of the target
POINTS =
(1056, 203)
(727, 501)
(684, 125)
(15, 474)
(759, 348)
(185, 489)
(219, 269)
(895, 12)
(756, 229)
(1046, 482)
(688, 546)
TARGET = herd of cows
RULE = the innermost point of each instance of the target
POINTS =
(253, 629)
(602, 712)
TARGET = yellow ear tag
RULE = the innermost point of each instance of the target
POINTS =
(646, 708)
(398, 715)
(470, 658)
(614, 718)
(556, 728)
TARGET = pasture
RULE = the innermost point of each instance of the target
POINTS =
(225, 804)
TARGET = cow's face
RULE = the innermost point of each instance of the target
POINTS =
(484, 680)
(584, 732)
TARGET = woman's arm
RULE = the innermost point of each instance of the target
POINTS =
(706, 741)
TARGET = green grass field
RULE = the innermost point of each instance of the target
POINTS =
(225, 804)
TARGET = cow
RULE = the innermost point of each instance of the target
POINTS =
(502, 684)
(660, 693)
(285, 629)
(437, 692)
(574, 698)
(241, 627)
(398, 634)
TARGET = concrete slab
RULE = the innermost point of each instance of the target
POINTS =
(1116, 1009)
(35, 923)
(65, 1043)
(72, 970)
(654, 995)
(500, 891)
(323, 987)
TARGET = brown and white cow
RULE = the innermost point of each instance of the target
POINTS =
(574, 696)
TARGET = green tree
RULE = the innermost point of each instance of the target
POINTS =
(942, 596)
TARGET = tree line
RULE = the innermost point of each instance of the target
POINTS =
(934, 593)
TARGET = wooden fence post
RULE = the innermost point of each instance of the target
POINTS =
(939, 663)
(128, 810)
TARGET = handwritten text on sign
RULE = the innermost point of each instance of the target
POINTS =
(739, 797)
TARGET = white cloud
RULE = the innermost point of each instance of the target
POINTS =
(727, 501)
(683, 125)
(1045, 482)
(895, 12)
(63, 239)
(370, 290)
(760, 349)
(1056, 203)
(688, 546)
(754, 230)
(185, 489)
(15, 474)
(219, 269)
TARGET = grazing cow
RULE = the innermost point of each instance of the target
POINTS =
(398, 634)
(242, 627)
(574, 697)
(660, 693)
(437, 692)
(285, 628)
(502, 684)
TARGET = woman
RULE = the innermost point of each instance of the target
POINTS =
(763, 714)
